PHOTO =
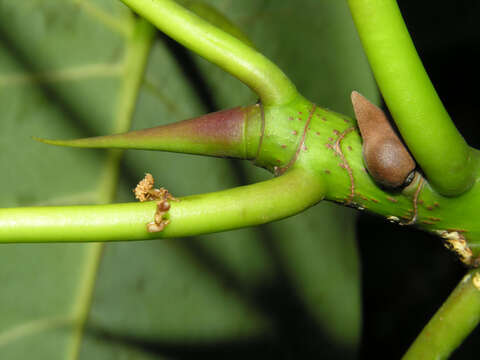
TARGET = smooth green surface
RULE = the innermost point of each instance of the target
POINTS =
(169, 292)
(449, 163)
(219, 47)
(248, 205)
(451, 324)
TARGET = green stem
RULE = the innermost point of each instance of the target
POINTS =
(452, 323)
(244, 206)
(228, 52)
(425, 125)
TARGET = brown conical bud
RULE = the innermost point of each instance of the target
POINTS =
(386, 157)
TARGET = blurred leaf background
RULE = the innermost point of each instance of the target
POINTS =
(286, 290)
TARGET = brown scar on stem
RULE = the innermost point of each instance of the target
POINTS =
(436, 204)
(280, 171)
(145, 191)
(414, 202)
(430, 208)
(392, 199)
(458, 230)
(363, 197)
(338, 150)
(374, 200)
(434, 218)
(427, 222)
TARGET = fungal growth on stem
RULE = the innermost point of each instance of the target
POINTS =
(387, 160)
(145, 191)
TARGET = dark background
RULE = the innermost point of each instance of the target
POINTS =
(417, 272)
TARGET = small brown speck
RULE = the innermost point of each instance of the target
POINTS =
(300, 113)
(430, 208)
(284, 146)
(346, 120)
(457, 230)
(329, 146)
(330, 139)
(294, 132)
(342, 165)
(392, 199)
(349, 148)
(290, 118)
(317, 133)
(336, 132)
(279, 161)
(327, 171)
(374, 200)
(420, 201)
(299, 119)
(434, 218)
(436, 204)
(324, 118)
(427, 222)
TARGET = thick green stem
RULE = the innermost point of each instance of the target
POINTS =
(452, 323)
(244, 206)
(441, 151)
(219, 47)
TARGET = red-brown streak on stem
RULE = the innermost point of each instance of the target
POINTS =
(300, 145)
(262, 114)
(338, 149)
(415, 205)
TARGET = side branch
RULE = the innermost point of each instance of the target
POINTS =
(227, 51)
(235, 208)
(448, 162)
(452, 323)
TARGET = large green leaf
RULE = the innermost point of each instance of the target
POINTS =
(278, 290)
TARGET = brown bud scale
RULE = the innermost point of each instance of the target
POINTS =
(387, 159)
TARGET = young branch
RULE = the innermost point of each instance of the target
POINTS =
(239, 207)
(219, 47)
(449, 163)
(452, 323)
